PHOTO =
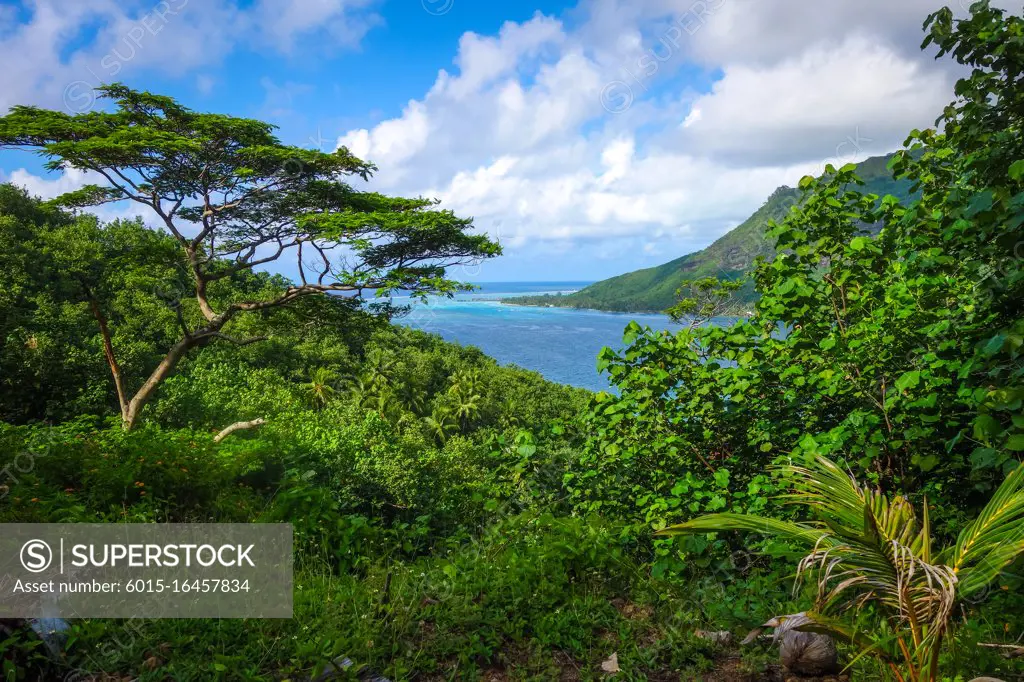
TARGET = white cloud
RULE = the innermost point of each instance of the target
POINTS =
(750, 32)
(174, 37)
(814, 102)
(520, 135)
(52, 187)
(767, 33)
(393, 141)
(617, 157)
(656, 124)
(280, 23)
(483, 109)
(659, 193)
(56, 184)
(483, 59)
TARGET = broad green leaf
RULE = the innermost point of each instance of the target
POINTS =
(1017, 170)
(908, 380)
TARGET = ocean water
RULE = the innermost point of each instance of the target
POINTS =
(562, 344)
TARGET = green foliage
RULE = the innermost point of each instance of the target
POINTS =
(868, 551)
(348, 399)
(457, 519)
(79, 473)
(51, 360)
(672, 441)
(895, 350)
(702, 300)
(899, 353)
(559, 603)
(235, 190)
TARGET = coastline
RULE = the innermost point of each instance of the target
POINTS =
(517, 301)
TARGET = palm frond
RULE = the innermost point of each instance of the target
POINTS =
(803, 534)
(993, 540)
(870, 549)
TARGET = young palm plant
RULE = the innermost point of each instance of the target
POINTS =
(465, 389)
(441, 424)
(320, 387)
(870, 550)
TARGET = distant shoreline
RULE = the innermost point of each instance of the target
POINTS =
(518, 301)
(538, 302)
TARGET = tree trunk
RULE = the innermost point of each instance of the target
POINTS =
(108, 347)
(131, 412)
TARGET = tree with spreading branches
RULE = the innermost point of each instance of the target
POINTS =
(235, 198)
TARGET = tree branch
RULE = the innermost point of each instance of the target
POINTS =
(1012, 650)
(246, 264)
(108, 346)
(238, 426)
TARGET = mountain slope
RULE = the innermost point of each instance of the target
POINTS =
(730, 257)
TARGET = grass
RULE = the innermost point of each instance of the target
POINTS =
(536, 598)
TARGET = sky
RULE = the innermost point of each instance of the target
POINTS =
(590, 138)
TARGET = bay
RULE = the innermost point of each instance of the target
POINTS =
(560, 343)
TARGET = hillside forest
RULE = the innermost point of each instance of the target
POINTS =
(843, 462)
(729, 258)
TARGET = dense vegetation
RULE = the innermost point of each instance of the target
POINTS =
(730, 257)
(899, 355)
(234, 199)
(459, 520)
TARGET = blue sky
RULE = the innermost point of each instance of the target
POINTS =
(591, 138)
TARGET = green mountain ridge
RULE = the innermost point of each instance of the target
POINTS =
(729, 257)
